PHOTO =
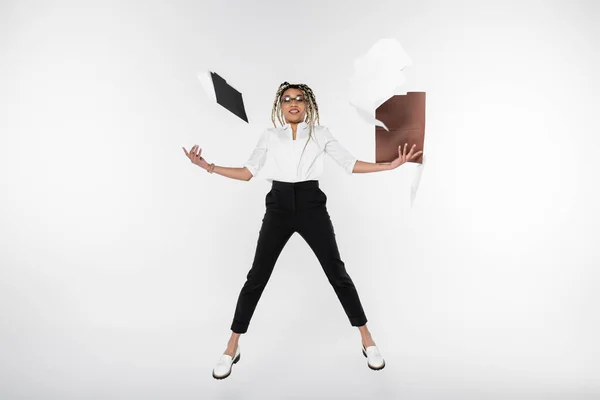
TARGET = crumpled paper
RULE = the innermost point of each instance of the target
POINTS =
(377, 75)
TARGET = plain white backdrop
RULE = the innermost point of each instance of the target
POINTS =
(121, 262)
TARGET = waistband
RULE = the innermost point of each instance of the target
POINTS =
(296, 185)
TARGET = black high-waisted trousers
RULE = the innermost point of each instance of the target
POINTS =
(296, 207)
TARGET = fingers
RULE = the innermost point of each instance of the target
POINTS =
(400, 155)
(415, 156)
(194, 154)
(196, 151)
(404, 156)
(402, 151)
(410, 153)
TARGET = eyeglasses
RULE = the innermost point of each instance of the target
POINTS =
(289, 99)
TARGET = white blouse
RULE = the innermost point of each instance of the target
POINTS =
(287, 160)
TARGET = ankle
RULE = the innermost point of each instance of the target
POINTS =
(368, 341)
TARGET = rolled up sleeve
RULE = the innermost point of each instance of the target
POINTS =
(339, 153)
(259, 155)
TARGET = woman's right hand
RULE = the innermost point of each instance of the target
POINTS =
(195, 156)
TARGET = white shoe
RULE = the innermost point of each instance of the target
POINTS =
(374, 359)
(223, 367)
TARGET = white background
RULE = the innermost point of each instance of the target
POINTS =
(121, 262)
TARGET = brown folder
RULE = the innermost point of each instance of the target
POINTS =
(404, 115)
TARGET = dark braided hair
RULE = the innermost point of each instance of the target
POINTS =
(312, 109)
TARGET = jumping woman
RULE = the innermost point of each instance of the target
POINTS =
(296, 204)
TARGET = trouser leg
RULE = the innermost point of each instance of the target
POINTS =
(317, 230)
(274, 234)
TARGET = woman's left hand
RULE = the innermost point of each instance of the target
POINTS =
(403, 157)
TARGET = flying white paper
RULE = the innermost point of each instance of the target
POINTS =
(377, 75)
(207, 83)
(416, 180)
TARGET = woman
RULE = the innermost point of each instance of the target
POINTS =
(296, 204)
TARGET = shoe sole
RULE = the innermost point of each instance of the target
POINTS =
(373, 368)
(235, 360)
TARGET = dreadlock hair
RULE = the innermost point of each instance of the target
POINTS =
(312, 109)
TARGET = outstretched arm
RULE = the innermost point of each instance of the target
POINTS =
(245, 173)
(352, 165)
(363, 166)
(242, 174)
(195, 156)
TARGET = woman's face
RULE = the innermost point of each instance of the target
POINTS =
(294, 110)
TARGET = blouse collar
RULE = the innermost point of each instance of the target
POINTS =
(302, 125)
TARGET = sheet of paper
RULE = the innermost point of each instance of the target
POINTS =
(416, 181)
(377, 75)
(207, 84)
